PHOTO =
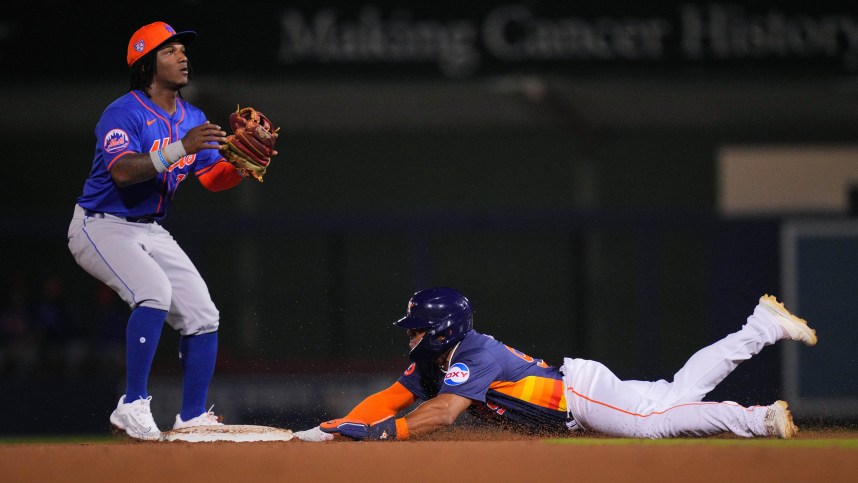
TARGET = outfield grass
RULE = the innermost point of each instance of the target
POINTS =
(59, 439)
(770, 442)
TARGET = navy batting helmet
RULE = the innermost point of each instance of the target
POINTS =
(444, 313)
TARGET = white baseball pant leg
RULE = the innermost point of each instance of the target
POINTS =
(600, 401)
(145, 266)
(192, 311)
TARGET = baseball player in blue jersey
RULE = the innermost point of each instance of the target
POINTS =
(454, 369)
(148, 142)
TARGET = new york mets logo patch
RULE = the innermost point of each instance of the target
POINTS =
(458, 374)
(115, 141)
(138, 46)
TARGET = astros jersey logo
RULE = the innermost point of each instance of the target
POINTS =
(115, 141)
(458, 374)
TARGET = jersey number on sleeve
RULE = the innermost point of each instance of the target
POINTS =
(527, 358)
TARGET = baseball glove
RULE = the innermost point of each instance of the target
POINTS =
(251, 145)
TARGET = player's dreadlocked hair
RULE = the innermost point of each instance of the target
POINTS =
(143, 72)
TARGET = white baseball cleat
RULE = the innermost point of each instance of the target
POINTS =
(778, 421)
(795, 328)
(135, 419)
(205, 419)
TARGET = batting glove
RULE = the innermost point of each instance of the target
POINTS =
(359, 430)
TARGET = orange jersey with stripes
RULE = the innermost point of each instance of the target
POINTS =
(512, 386)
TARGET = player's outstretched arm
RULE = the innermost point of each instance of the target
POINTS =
(436, 413)
(383, 404)
(376, 407)
(430, 416)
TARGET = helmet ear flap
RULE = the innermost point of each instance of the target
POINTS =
(424, 351)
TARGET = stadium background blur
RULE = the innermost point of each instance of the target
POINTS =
(566, 166)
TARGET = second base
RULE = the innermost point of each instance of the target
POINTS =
(240, 433)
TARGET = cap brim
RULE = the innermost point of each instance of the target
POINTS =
(412, 323)
(185, 38)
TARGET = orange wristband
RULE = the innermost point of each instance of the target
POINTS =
(401, 429)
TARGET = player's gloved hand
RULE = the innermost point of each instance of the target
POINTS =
(359, 430)
(251, 145)
(313, 435)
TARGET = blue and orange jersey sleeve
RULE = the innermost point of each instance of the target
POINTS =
(219, 176)
(382, 404)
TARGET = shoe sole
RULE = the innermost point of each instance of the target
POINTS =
(118, 429)
(772, 303)
(791, 429)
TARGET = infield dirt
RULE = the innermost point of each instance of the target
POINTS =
(458, 455)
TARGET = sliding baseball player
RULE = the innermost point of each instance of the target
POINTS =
(456, 369)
